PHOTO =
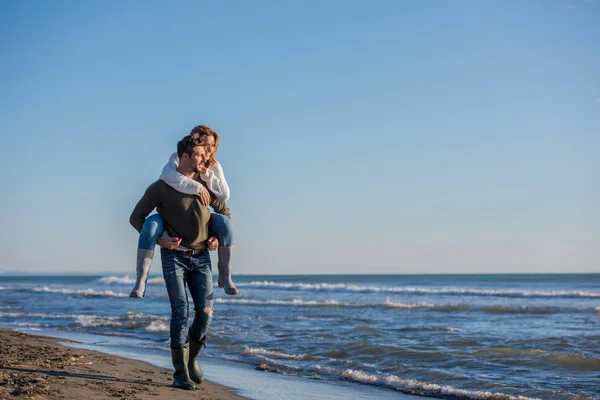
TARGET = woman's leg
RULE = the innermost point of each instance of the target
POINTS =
(220, 226)
(151, 230)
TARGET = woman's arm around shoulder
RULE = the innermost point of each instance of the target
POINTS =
(178, 181)
(215, 180)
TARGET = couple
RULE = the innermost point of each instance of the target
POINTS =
(186, 230)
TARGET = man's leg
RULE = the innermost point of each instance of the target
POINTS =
(176, 273)
(201, 288)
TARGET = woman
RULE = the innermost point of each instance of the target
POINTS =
(219, 225)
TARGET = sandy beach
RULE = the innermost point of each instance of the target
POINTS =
(37, 367)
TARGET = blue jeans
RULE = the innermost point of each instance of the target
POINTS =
(218, 225)
(195, 271)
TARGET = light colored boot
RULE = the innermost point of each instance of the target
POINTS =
(144, 263)
(224, 266)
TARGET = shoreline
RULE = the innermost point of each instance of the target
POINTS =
(43, 366)
(34, 366)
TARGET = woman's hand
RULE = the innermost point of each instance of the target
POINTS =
(169, 242)
(204, 196)
(213, 243)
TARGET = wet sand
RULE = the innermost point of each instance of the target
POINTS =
(37, 367)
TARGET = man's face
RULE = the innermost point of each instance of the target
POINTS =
(193, 162)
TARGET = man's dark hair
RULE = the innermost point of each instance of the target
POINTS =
(187, 144)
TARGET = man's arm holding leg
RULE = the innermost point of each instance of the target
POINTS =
(149, 201)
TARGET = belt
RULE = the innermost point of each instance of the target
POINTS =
(188, 252)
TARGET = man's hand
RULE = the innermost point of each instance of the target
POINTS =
(213, 243)
(204, 196)
(169, 242)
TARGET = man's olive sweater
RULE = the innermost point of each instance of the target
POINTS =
(183, 214)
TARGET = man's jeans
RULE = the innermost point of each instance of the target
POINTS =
(195, 271)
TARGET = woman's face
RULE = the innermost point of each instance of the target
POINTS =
(208, 141)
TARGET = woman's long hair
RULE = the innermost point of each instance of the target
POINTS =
(202, 131)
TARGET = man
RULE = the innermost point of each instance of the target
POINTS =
(185, 260)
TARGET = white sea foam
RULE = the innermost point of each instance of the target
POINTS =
(119, 280)
(276, 354)
(328, 303)
(96, 321)
(294, 302)
(422, 290)
(128, 280)
(37, 315)
(449, 307)
(428, 389)
(391, 304)
(81, 292)
(158, 326)
(131, 320)
(324, 370)
(26, 324)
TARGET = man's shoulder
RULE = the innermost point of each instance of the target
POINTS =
(157, 186)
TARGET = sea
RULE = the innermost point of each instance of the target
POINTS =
(438, 336)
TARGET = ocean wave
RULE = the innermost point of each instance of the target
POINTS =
(429, 328)
(565, 360)
(504, 351)
(96, 321)
(408, 386)
(129, 320)
(127, 280)
(500, 309)
(277, 354)
(411, 386)
(335, 303)
(81, 292)
(119, 280)
(451, 307)
(27, 324)
(37, 315)
(575, 361)
(421, 290)
(158, 326)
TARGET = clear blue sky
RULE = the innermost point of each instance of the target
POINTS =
(357, 136)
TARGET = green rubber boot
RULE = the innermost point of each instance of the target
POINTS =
(181, 377)
(196, 373)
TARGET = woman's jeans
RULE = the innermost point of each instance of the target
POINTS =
(218, 225)
(195, 271)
